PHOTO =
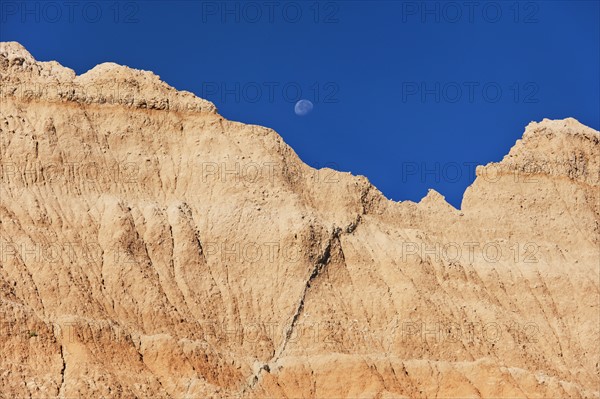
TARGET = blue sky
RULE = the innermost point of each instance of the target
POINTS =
(410, 94)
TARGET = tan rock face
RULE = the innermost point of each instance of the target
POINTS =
(151, 248)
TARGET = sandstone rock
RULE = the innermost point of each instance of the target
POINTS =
(151, 248)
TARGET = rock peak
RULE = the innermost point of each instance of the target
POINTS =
(13, 50)
(561, 126)
(107, 83)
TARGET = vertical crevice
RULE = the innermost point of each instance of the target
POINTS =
(62, 371)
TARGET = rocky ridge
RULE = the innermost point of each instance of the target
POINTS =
(151, 248)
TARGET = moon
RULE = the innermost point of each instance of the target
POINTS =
(303, 107)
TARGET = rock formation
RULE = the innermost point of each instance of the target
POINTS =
(150, 248)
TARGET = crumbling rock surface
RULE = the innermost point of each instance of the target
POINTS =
(150, 248)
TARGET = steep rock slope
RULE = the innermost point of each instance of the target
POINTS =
(151, 248)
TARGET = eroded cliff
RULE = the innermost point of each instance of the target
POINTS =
(151, 248)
